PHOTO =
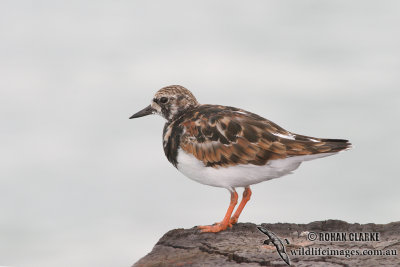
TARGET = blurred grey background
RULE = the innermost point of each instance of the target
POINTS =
(81, 185)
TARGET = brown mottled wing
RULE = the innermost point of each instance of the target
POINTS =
(224, 136)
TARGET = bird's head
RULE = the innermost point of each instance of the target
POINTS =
(169, 102)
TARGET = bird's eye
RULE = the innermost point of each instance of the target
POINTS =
(163, 99)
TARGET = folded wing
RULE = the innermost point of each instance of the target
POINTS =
(225, 136)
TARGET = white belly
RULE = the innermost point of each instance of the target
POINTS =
(239, 175)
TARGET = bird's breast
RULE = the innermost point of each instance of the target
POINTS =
(171, 142)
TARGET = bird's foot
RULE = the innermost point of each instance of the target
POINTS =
(215, 228)
(233, 220)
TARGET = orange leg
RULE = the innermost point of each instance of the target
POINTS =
(245, 199)
(225, 222)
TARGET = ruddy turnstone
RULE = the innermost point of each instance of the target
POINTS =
(229, 147)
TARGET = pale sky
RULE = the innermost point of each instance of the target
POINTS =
(82, 185)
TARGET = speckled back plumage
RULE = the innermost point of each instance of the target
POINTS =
(221, 136)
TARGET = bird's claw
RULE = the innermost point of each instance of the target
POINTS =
(215, 228)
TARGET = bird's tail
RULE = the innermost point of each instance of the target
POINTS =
(333, 145)
(312, 145)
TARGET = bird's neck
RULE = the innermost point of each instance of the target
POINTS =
(179, 113)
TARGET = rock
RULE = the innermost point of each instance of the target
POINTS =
(243, 245)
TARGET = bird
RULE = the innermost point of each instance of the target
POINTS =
(229, 147)
(277, 242)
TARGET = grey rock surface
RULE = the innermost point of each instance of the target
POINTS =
(244, 245)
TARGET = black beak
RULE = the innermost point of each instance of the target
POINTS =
(144, 112)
